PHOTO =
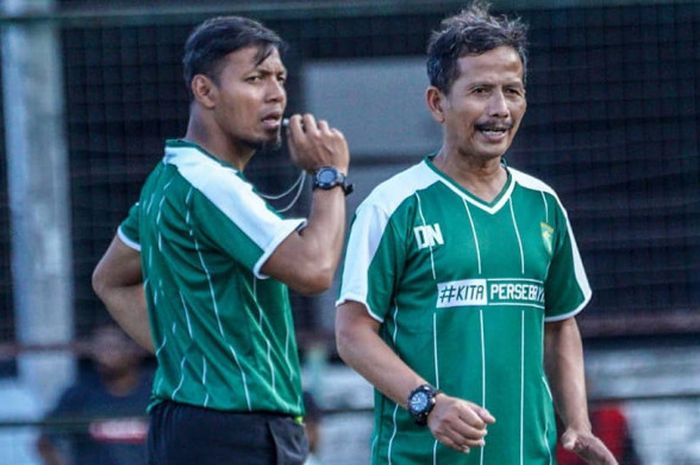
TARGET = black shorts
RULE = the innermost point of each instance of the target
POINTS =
(182, 434)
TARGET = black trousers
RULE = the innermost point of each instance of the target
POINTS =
(182, 434)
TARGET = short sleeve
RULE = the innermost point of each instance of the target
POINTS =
(128, 230)
(566, 287)
(232, 216)
(373, 261)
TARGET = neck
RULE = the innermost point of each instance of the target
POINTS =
(216, 143)
(483, 177)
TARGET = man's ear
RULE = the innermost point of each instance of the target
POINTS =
(204, 90)
(435, 100)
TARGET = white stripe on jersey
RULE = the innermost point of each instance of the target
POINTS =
(245, 383)
(546, 425)
(517, 235)
(435, 352)
(393, 434)
(483, 373)
(522, 380)
(476, 239)
(546, 208)
(165, 339)
(422, 218)
(187, 315)
(204, 379)
(235, 198)
(182, 377)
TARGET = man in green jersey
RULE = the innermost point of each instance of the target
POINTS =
(462, 276)
(215, 260)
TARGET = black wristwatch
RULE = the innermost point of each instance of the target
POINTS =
(421, 402)
(328, 177)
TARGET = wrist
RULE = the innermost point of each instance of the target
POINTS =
(421, 402)
(330, 177)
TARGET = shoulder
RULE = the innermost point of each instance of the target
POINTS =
(534, 184)
(202, 171)
(388, 196)
(530, 182)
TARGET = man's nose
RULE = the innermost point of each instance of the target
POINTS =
(498, 105)
(276, 90)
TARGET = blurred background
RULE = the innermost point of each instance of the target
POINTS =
(92, 88)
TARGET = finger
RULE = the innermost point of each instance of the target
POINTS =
(485, 415)
(449, 442)
(323, 126)
(465, 435)
(294, 128)
(338, 132)
(310, 125)
(471, 417)
(468, 431)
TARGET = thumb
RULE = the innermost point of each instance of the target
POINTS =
(568, 441)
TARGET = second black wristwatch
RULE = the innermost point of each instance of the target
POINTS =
(421, 402)
(328, 177)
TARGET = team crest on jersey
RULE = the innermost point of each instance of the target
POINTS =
(428, 235)
(547, 236)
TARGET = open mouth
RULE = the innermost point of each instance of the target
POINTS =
(493, 130)
(272, 121)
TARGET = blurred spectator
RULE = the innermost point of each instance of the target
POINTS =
(100, 419)
(312, 423)
(610, 425)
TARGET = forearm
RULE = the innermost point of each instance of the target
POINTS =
(118, 282)
(307, 260)
(127, 305)
(565, 371)
(360, 346)
(325, 230)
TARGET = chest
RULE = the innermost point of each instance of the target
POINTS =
(451, 238)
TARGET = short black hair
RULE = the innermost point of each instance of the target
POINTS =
(472, 31)
(215, 38)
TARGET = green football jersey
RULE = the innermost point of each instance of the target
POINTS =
(462, 289)
(223, 332)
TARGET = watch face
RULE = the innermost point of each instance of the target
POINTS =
(419, 401)
(326, 176)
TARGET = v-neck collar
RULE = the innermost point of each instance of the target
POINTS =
(490, 207)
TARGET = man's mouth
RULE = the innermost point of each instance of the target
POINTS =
(272, 121)
(493, 130)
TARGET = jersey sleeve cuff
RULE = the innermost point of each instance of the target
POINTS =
(288, 228)
(574, 312)
(128, 242)
(349, 297)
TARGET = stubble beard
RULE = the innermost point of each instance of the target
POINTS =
(269, 144)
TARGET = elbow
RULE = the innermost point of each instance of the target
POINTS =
(315, 280)
(344, 342)
(99, 282)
